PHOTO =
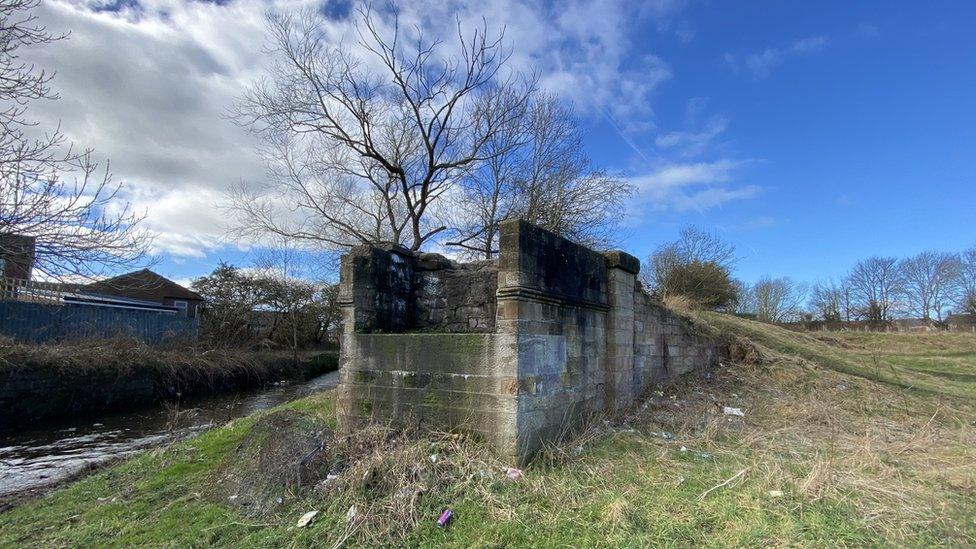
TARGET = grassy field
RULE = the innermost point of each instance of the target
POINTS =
(847, 440)
(931, 362)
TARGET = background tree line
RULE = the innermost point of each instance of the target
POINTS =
(930, 285)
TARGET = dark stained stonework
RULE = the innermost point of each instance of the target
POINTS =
(555, 332)
(392, 289)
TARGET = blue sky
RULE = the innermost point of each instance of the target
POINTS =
(810, 135)
(863, 146)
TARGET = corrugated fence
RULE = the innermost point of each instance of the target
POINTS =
(43, 322)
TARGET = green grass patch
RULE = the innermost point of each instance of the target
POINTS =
(937, 363)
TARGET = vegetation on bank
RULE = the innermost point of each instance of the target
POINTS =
(124, 355)
(828, 452)
(50, 380)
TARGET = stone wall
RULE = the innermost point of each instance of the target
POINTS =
(444, 381)
(552, 297)
(391, 289)
(571, 333)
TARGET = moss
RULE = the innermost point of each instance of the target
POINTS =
(430, 399)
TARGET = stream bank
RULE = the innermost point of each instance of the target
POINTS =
(38, 458)
(46, 382)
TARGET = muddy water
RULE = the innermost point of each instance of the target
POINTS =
(33, 457)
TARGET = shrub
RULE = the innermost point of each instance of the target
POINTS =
(705, 284)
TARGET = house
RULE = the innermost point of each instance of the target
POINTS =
(962, 322)
(16, 256)
(147, 286)
(920, 325)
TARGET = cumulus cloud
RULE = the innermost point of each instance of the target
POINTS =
(148, 84)
(761, 64)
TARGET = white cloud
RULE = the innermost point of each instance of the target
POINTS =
(149, 87)
(683, 187)
(692, 143)
(761, 64)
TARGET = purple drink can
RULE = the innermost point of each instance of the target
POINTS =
(445, 518)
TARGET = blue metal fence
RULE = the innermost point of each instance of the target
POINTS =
(44, 322)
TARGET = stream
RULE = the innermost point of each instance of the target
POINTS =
(38, 456)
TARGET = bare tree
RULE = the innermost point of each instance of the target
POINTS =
(743, 303)
(48, 190)
(366, 142)
(559, 189)
(967, 281)
(931, 283)
(828, 301)
(778, 299)
(543, 175)
(876, 285)
(490, 191)
(693, 244)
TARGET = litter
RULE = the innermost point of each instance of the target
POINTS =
(775, 493)
(306, 519)
(663, 434)
(446, 516)
(352, 513)
(702, 455)
(513, 474)
(704, 494)
(729, 411)
(434, 458)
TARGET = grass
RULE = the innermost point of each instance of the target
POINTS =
(940, 363)
(831, 452)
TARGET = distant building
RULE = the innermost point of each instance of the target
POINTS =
(962, 322)
(147, 286)
(914, 325)
(16, 256)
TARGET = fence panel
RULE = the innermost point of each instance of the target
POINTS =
(45, 322)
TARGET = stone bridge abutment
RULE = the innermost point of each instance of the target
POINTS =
(519, 351)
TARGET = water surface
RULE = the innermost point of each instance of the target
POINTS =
(35, 456)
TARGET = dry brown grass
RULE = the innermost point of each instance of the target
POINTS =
(123, 355)
(897, 456)
(680, 303)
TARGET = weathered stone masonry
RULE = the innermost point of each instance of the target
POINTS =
(518, 352)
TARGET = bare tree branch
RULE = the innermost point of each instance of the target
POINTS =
(364, 148)
(47, 190)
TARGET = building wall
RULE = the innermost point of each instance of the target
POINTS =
(192, 305)
(573, 334)
(42, 322)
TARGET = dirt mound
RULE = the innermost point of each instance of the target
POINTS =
(283, 455)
